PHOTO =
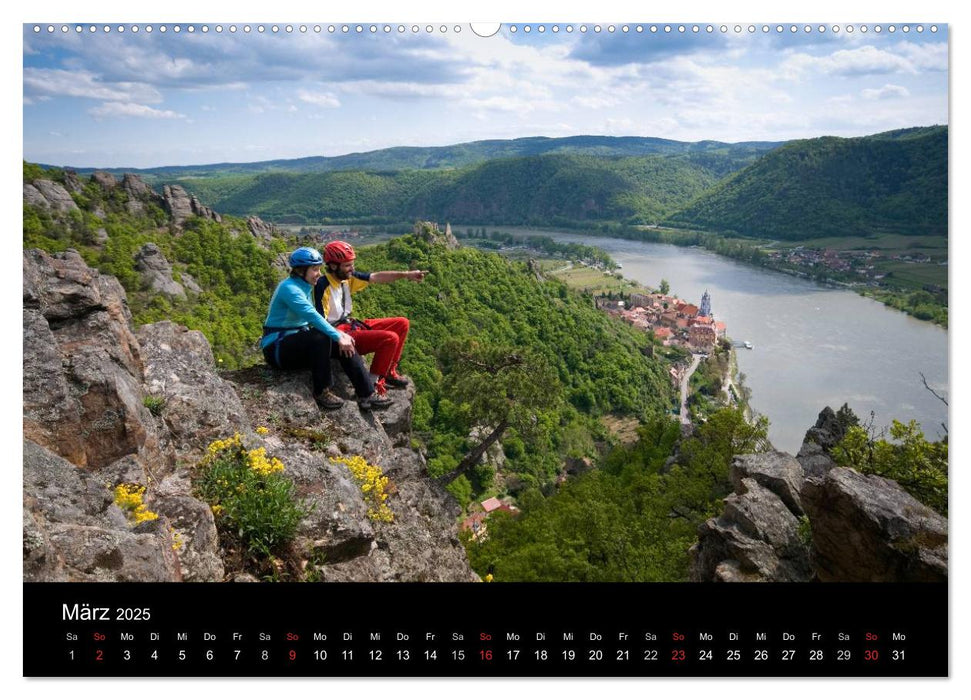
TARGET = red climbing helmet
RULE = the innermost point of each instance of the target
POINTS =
(338, 252)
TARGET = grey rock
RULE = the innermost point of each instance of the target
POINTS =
(60, 491)
(777, 471)
(205, 212)
(756, 537)
(198, 542)
(156, 271)
(33, 197)
(71, 181)
(814, 459)
(58, 198)
(41, 560)
(88, 317)
(74, 532)
(138, 188)
(51, 413)
(260, 229)
(177, 203)
(189, 282)
(107, 181)
(101, 235)
(180, 205)
(100, 554)
(827, 431)
(199, 406)
(867, 528)
(139, 194)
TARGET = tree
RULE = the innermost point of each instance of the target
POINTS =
(502, 387)
(918, 465)
(665, 287)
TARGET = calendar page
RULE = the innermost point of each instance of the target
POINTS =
(543, 349)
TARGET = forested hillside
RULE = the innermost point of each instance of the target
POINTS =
(895, 182)
(538, 190)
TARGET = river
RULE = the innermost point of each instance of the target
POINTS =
(813, 346)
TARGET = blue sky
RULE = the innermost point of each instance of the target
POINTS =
(149, 99)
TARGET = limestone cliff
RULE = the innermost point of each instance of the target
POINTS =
(88, 428)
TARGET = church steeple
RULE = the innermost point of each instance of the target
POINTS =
(705, 305)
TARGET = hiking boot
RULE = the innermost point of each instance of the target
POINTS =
(328, 401)
(375, 400)
(395, 380)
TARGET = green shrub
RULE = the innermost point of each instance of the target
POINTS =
(251, 500)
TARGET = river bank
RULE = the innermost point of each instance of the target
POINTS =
(864, 266)
(814, 345)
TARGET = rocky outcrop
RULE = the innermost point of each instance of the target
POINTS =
(72, 182)
(48, 194)
(759, 536)
(190, 284)
(88, 379)
(106, 181)
(429, 231)
(138, 193)
(33, 197)
(260, 229)
(420, 545)
(180, 205)
(156, 271)
(179, 369)
(829, 429)
(78, 341)
(867, 528)
(73, 531)
(808, 519)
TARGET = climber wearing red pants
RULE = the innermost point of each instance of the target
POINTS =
(385, 337)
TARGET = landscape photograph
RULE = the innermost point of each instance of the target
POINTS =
(675, 302)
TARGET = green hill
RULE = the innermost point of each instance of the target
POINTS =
(894, 182)
(547, 189)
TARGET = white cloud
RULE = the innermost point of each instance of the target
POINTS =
(926, 56)
(866, 60)
(886, 92)
(321, 99)
(595, 101)
(52, 82)
(130, 109)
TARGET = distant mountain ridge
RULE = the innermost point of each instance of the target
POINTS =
(892, 182)
(454, 156)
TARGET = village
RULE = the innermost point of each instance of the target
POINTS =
(852, 266)
(673, 321)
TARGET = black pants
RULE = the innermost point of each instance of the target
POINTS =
(313, 350)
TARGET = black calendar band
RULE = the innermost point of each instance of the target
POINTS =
(501, 630)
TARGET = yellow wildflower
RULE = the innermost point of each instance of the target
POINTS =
(262, 430)
(372, 484)
(260, 464)
(128, 497)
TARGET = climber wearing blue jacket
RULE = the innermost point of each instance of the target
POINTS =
(295, 336)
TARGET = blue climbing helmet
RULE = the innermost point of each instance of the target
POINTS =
(304, 257)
